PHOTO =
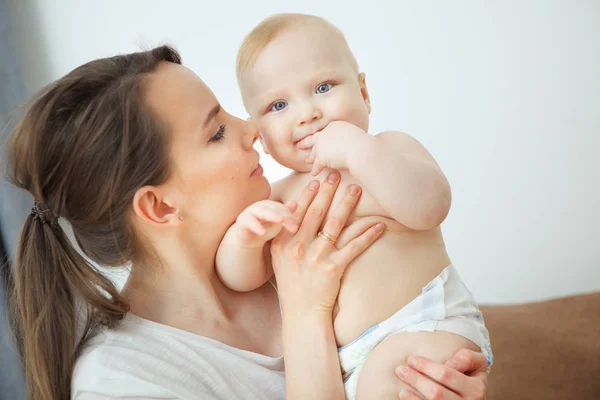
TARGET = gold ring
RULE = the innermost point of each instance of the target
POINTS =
(327, 237)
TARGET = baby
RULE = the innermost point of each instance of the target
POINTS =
(301, 85)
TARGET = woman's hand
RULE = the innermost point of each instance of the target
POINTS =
(307, 265)
(309, 268)
(464, 376)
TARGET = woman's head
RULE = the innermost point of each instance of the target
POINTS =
(116, 147)
(212, 163)
(87, 142)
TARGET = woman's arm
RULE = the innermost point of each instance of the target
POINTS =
(308, 269)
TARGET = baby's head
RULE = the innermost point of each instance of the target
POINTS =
(296, 75)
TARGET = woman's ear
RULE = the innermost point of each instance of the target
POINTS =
(151, 206)
(364, 91)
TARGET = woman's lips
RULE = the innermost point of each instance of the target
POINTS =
(258, 171)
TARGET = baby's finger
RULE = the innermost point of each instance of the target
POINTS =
(292, 206)
(311, 157)
(290, 225)
(252, 224)
(274, 213)
(289, 222)
(317, 168)
(306, 143)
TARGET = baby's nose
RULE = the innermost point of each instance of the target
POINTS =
(308, 114)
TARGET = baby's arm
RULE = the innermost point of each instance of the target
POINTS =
(243, 258)
(393, 167)
(403, 177)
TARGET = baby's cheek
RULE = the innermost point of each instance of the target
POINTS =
(273, 133)
(359, 116)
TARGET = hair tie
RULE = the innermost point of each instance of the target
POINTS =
(43, 214)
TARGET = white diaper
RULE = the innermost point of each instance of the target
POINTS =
(445, 304)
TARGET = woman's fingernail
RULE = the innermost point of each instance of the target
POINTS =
(332, 178)
(402, 372)
(353, 189)
(379, 227)
(412, 362)
(404, 395)
(314, 185)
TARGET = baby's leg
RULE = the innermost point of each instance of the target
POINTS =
(378, 379)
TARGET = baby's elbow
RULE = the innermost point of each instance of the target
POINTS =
(439, 210)
(430, 213)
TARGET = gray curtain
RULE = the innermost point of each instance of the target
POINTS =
(14, 206)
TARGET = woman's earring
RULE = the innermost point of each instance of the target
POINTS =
(180, 218)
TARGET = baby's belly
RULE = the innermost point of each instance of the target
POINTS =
(386, 277)
(389, 274)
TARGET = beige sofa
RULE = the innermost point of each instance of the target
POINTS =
(546, 350)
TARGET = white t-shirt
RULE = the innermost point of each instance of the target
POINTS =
(141, 359)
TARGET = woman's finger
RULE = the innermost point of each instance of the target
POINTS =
(406, 394)
(305, 200)
(338, 218)
(427, 387)
(466, 360)
(356, 246)
(440, 373)
(318, 208)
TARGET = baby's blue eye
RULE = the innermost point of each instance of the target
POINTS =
(278, 105)
(324, 87)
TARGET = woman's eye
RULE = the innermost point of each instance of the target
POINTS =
(219, 135)
(324, 87)
(278, 105)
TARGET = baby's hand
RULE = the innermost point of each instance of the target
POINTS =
(331, 146)
(263, 220)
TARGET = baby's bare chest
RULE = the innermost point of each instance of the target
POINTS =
(367, 206)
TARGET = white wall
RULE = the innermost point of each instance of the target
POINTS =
(505, 94)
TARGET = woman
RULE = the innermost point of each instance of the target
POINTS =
(137, 154)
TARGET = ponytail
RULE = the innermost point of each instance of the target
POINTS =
(50, 279)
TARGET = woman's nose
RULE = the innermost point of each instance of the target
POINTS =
(251, 134)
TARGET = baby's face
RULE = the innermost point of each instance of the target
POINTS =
(302, 81)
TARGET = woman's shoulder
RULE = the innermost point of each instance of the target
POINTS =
(113, 364)
(140, 358)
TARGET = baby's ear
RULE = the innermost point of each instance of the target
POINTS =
(364, 91)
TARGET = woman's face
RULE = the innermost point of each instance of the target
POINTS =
(215, 172)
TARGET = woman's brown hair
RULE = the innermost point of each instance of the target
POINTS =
(87, 142)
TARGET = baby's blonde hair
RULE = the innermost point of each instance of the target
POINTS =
(270, 28)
